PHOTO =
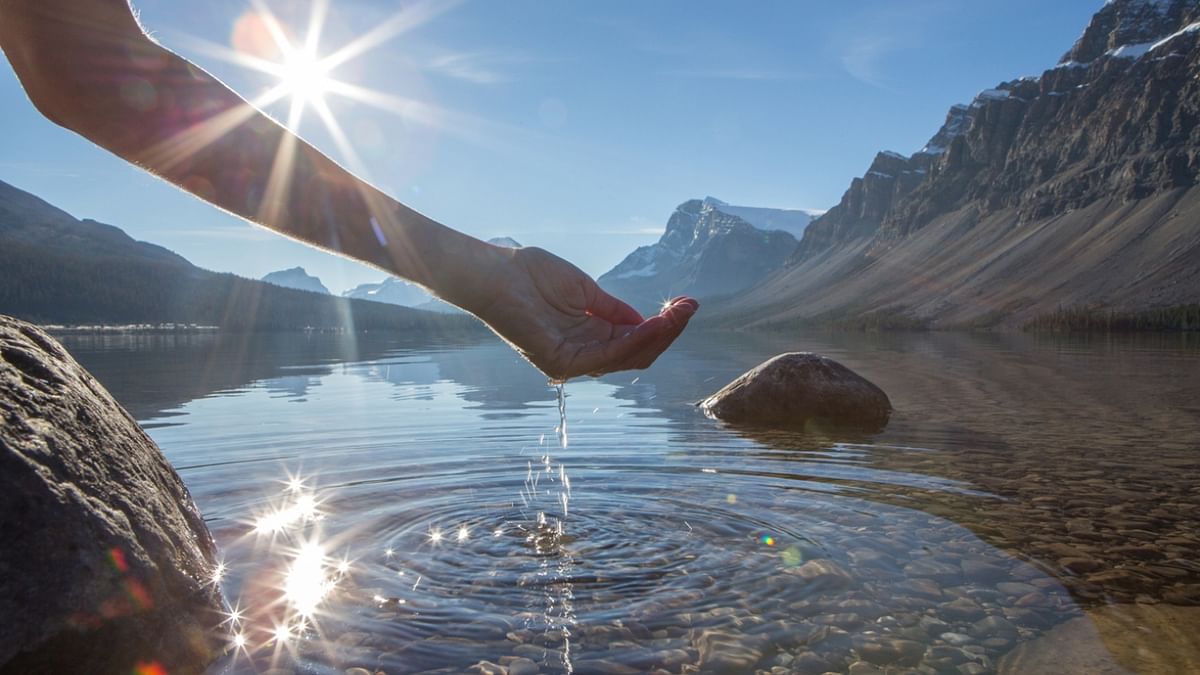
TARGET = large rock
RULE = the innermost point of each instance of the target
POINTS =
(105, 564)
(800, 390)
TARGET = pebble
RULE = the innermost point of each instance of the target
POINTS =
(809, 663)
(933, 569)
(522, 666)
(961, 609)
(728, 652)
(1015, 588)
(956, 639)
(823, 574)
(1080, 565)
(602, 667)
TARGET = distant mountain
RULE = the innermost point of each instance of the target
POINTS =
(1073, 193)
(397, 291)
(57, 269)
(706, 251)
(393, 291)
(298, 279)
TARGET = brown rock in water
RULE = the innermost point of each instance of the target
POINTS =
(105, 563)
(799, 390)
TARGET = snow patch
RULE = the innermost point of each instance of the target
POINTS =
(647, 271)
(792, 221)
(1130, 51)
(895, 155)
(1190, 28)
(1139, 50)
(993, 95)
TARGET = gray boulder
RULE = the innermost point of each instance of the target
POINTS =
(105, 563)
(800, 390)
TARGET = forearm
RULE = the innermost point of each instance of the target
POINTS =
(116, 87)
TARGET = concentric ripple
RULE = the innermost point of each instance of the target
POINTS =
(435, 525)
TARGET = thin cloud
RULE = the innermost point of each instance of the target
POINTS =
(467, 66)
(877, 32)
(248, 233)
(481, 67)
(742, 74)
(640, 231)
(864, 58)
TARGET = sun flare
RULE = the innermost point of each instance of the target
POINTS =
(304, 77)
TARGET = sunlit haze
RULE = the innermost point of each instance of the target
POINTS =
(574, 127)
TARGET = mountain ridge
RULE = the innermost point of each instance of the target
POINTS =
(63, 270)
(1076, 188)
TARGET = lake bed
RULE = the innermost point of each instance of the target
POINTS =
(411, 506)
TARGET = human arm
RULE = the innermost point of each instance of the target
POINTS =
(88, 66)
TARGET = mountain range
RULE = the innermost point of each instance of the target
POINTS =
(1071, 193)
(1070, 196)
(397, 291)
(61, 270)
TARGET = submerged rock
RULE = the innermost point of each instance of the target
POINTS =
(800, 390)
(106, 565)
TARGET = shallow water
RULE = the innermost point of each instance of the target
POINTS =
(437, 520)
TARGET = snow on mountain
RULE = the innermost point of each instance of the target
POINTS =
(393, 291)
(298, 279)
(504, 241)
(709, 248)
(1129, 29)
(792, 221)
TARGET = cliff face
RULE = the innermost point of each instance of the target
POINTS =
(1098, 157)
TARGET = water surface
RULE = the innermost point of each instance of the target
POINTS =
(408, 506)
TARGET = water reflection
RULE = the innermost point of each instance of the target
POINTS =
(1022, 481)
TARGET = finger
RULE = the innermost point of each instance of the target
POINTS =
(609, 308)
(681, 303)
(676, 315)
(639, 347)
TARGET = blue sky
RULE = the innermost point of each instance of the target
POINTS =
(574, 126)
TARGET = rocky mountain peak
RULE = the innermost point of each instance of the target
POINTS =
(706, 250)
(1130, 23)
(297, 278)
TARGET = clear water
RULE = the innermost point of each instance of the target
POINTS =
(415, 507)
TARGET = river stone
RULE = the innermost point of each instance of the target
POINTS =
(799, 389)
(106, 565)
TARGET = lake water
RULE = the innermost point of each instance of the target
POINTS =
(409, 507)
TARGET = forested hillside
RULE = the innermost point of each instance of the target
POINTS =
(56, 269)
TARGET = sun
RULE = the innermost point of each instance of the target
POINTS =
(304, 76)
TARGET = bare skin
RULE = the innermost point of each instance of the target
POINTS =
(88, 66)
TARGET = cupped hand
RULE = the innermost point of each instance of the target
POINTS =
(557, 317)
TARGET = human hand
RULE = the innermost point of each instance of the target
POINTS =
(557, 317)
